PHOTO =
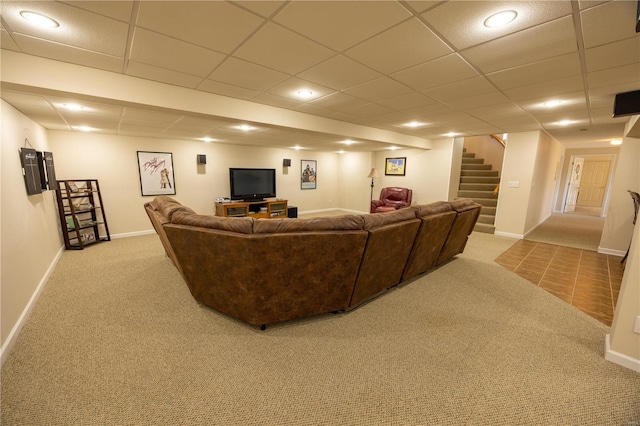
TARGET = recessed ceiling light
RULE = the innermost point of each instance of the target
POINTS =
(347, 142)
(297, 147)
(305, 93)
(551, 104)
(616, 142)
(208, 139)
(393, 148)
(341, 151)
(84, 128)
(38, 19)
(500, 18)
(450, 134)
(73, 107)
(565, 122)
(245, 127)
(414, 124)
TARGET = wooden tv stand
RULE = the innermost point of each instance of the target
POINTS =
(257, 209)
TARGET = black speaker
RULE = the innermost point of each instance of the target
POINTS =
(292, 212)
(202, 159)
(286, 162)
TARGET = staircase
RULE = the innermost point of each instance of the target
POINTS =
(478, 181)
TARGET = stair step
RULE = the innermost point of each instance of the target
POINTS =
(477, 194)
(469, 166)
(484, 202)
(480, 179)
(486, 218)
(484, 227)
(488, 210)
(468, 155)
(471, 160)
(484, 173)
(477, 187)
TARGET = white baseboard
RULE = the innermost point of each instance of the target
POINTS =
(510, 235)
(133, 234)
(612, 252)
(15, 331)
(618, 358)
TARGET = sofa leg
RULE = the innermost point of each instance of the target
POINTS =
(263, 327)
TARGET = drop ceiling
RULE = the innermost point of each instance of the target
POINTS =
(379, 64)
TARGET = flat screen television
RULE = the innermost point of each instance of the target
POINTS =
(252, 184)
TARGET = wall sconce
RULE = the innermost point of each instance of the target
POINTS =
(372, 174)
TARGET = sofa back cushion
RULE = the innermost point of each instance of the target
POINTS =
(337, 223)
(436, 222)
(467, 212)
(242, 225)
(372, 221)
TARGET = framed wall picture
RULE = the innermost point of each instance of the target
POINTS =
(395, 166)
(156, 173)
(308, 178)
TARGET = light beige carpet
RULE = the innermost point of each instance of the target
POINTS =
(570, 230)
(116, 339)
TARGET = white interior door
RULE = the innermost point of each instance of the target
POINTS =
(574, 184)
(593, 183)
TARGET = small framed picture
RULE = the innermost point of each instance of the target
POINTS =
(395, 166)
(309, 175)
(156, 173)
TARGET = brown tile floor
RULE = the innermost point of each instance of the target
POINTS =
(588, 280)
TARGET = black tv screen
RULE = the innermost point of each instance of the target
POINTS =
(627, 103)
(252, 184)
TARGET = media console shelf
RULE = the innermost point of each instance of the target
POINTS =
(257, 209)
(81, 211)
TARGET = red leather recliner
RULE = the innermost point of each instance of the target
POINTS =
(392, 198)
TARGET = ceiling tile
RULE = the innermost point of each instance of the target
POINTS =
(478, 101)
(369, 110)
(548, 88)
(341, 24)
(624, 74)
(612, 55)
(400, 47)
(380, 88)
(537, 72)
(339, 73)
(570, 102)
(535, 44)
(277, 101)
(290, 88)
(406, 101)
(422, 5)
(164, 52)
(245, 74)
(605, 23)
(163, 75)
(120, 10)
(462, 22)
(339, 101)
(7, 42)
(70, 54)
(108, 36)
(280, 49)
(215, 25)
(227, 90)
(263, 8)
(461, 89)
(435, 73)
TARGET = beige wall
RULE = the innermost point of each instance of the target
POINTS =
(543, 181)
(428, 172)
(618, 223)
(113, 161)
(30, 237)
(624, 343)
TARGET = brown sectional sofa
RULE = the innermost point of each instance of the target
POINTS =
(264, 271)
